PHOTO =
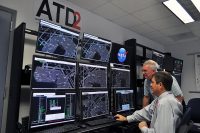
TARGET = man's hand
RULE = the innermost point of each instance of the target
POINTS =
(142, 124)
(120, 117)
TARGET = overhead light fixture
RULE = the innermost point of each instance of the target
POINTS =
(179, 11)
(197, 4)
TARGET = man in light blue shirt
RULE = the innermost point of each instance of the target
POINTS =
(164, 112)
(148, 69)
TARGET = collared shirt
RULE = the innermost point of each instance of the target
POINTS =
(164, 113)
(176, 90)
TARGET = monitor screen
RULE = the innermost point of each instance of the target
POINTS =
(52, 74)
(94, 104)
(168, 63)
(124, 99)
(92, 76)
(95, 48)
(178, 65)
(56, 40)
(159, 58)
(120, 77)
(121, 54)
(51, 108)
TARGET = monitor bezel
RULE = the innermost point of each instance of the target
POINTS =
(114, 100)
(81, 104)
(82, 45)
(60, 122)
(53, 59)
(53, 54)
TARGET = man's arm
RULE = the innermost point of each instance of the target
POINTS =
(176, 90)
(145, 101)
(180, 98)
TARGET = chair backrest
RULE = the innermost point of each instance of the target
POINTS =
(184, 125)
(194, 104)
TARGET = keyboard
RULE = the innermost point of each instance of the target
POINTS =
(61, 129)
(100, 121)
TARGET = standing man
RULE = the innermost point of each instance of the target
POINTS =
(149, 68)
(164, 113)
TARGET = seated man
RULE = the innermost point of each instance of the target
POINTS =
(164, 112)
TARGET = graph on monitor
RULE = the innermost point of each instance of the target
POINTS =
(51, 108)
(120, 77)
(94, 104)
(56, 40)
(92, 76)
(95, 48)
(52, 74)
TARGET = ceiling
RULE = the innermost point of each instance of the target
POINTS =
(149, 18)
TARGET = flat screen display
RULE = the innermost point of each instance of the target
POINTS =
(52, 74)
(124, 99)
(95, 48)
(51, 108)
(56, 40)
(159, 58)
(94, 104)
(178, 65)
(92, 76)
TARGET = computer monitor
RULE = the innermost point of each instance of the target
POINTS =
(168, 63)
(94, 104)
(95, 48)
(178, 65)
(50, 73)
(92, 76)
(56, 40)
(120, 77)
(123, 99)
(50, 108)
(159, 58)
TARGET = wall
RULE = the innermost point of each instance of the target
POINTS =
(181, 51)
(91, 23)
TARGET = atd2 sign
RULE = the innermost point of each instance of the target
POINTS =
(58, 12)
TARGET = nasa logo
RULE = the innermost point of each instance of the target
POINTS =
(122, 55)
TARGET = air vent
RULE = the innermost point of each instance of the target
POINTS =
(182, 36)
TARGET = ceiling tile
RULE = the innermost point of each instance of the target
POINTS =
(175, 30)
(194, 26)
(143, 28)
(153, 12)
(165, 23)
(127, 21)
(133, 5)
(88, 4)
(109, 11)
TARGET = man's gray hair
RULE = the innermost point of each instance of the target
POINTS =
(154, 65)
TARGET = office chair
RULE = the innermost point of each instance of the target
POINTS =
(194, 104)
(185, 123)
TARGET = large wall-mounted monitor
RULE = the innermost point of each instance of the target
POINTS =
(48, 108)
(56, 40)
(95, 48)
(159, 58)
(168, 63)
(94, 104)
(123, 99)
(120, 77)
(50, 73)
(178, 65)
(92, 76)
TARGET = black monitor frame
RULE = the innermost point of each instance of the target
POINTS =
(64, 31)
(99, 39)
(100, 76)
(126, 90)
(54, 60)
(96, 116)
(59, 121)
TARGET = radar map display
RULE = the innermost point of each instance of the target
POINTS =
(92, 76)
(48, 73)
(53, 39)
(94, 104)
(95, 48)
